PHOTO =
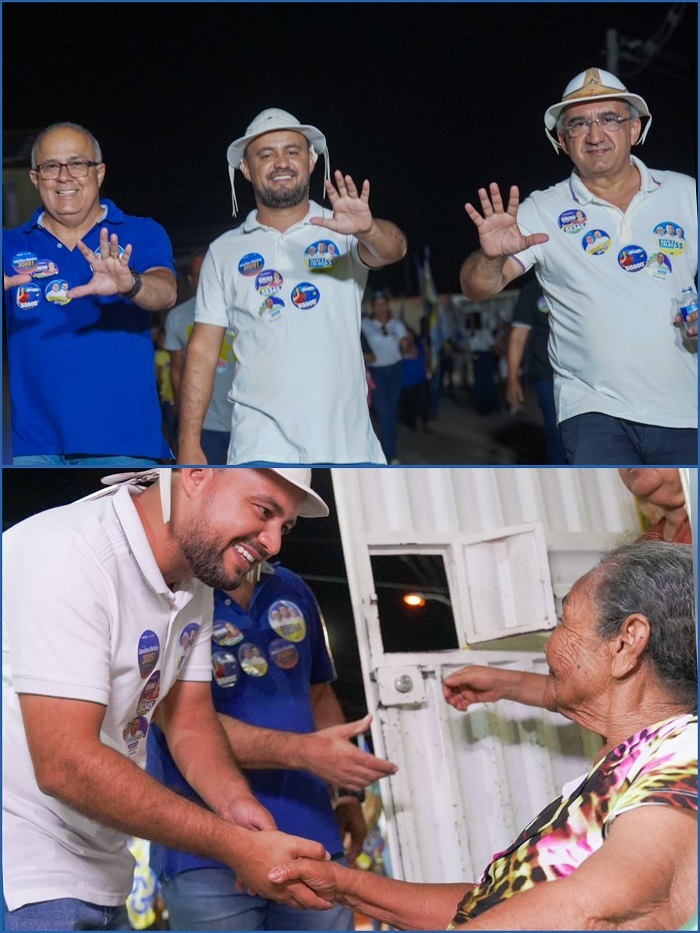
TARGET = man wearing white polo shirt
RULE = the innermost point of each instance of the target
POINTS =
(289, 282)
(107, 618)
(613, 248)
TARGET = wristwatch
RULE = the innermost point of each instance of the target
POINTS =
(137, 284)
(342, 793)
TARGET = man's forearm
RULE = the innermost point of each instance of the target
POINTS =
(383, 244)
(197, 386)
(482, 278)
(258, 747)
(158, 290)
(517, 340)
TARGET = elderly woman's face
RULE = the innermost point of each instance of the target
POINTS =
(579, 660)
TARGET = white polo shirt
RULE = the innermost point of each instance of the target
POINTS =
(86, 615)
(612, 281)
(384, 340)
(293, 300)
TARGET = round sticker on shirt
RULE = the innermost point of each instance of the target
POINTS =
(269, 282)
(251, 264)
(596, 242)
(251, 660)
(271, 309)
(572, 221)
(187, 637)
(27, 296)
(225, 668)
(148, 652)
(44, 269)
(284, 654)
(671, 237)
(305, 296)
(659, 265)
(323, 254)
(57, 292)
(134, 732)
(149, 694)
(542, 305)
(287, 620)
(24, 263)
(97, 253)
(632, 258)
(226, 633)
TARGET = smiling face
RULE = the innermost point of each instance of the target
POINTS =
(279, 166)
(236, 520)
(70, 202)
(599, 153)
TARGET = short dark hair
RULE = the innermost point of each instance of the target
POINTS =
(654, 579)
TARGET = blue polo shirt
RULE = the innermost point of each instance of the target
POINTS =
(81, 372)
(263, 663)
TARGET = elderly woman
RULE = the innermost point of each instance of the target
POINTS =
(621, 840)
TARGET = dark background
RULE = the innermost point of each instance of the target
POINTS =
(428, 100)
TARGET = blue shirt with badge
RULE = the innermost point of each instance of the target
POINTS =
(81, 371)
(264, 663)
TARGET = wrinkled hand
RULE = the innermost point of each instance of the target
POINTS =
(692, 330)
(351, 213)
(351, 822)
(332, 756)
(499, 234)
(110, 271)
(322, 877)
(249, 813)
(474, 684)
(514, 393)
(266, 849)
(12, 281)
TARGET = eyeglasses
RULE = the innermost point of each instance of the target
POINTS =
(76, 169)
(609, 123)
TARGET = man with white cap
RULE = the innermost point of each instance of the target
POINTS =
(113, 632)
(289, 282)
(625, 379)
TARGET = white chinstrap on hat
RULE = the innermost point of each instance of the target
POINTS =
(269, 121)
(589, 85)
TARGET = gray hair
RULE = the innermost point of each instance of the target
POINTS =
(654, 579)
(632, 113)
(70, 126)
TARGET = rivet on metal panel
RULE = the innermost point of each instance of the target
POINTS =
(403, 684)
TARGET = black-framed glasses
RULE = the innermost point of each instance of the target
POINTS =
(609, 123)
(78, 168)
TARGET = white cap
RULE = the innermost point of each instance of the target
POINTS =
(269, 121)
(593, 84)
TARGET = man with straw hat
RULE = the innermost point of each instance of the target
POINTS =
(289, 282)
(625, 379)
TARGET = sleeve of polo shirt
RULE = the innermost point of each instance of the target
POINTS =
(523, 312)
(152, 247)
(58, 605)
(197, 664)
(210, 305)
(175, 333)
(666, 774)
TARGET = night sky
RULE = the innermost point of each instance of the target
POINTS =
(427, 100)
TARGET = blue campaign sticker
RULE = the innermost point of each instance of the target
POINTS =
(44, 269)
(269, 282)
(572, 221)
(252, 660)
(323, 254)
(187, 638)
(671, 237)
(135, 731)
(226, 633)
(24, 263)
(251, 264)
(27, 296)
(225, 668)
(287, 619)
(596, 242)
(149, 695)
(305, 296)
(542, 305)
(632, 258)
(284, 654)
(659, 265)
(271, 309)
(57, 292)
(148, 653)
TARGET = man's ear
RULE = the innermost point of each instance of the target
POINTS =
(245, 171)
(194, 480)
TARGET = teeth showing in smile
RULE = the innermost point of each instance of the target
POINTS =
(244, 553)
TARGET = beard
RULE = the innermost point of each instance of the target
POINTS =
(206, 560)
(282, 197)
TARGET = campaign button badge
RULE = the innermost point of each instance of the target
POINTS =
(659, 265)
(226, 633)
(671, 237)
(269, 282)
(44, 269)
(542, 305)
(287, 619)
(305, 296)
(24, 263)
(251, 660)
(148, 653)
(251, 264)
(149, 694)
(632, 258)
(187, 637)
(596, 242)
(284, 654)
(323, 254)
(225, 668)
(57, 292)
(134, 732)
(27, 296)
(271, 308)
(572, 221)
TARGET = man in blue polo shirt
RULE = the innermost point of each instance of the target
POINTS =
(80, 355)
